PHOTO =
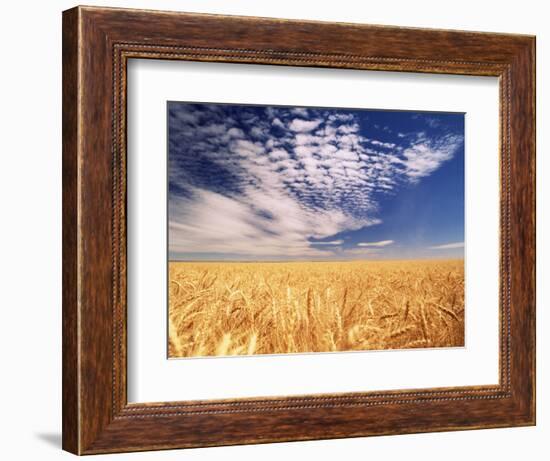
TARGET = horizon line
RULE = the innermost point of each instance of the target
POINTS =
(305, 260)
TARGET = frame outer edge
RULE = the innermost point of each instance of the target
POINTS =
(533, 175)
(70, 190)
(534, 213)
(523, 237)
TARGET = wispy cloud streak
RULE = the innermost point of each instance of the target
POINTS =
(448, 246)
(382, 243)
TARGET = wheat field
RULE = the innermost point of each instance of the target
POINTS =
(241, 308)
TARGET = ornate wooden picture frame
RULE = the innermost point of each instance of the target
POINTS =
(97, 44)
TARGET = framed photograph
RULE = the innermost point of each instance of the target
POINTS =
(281, 230)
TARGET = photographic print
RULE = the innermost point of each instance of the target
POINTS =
(309, 229)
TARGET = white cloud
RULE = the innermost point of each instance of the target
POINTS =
(277, 122)
(301, 111)
(448, 246)
(258, 223)
(343, 154)
(381, 243)
(190, 117)
(245, 148)
(341, 117)
(426, 156)
(333, 242)
(235, 133)
(279, 154)
(304, 139)
(349, 128)
(215, 129)
(388, 145)
(302, 126)
(258, 132)
(305, 151)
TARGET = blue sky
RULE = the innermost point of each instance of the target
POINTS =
(294, 183)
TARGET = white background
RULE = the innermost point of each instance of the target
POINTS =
(153, 378)
(30, 247)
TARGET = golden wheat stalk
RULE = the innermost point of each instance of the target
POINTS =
(273, 308)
